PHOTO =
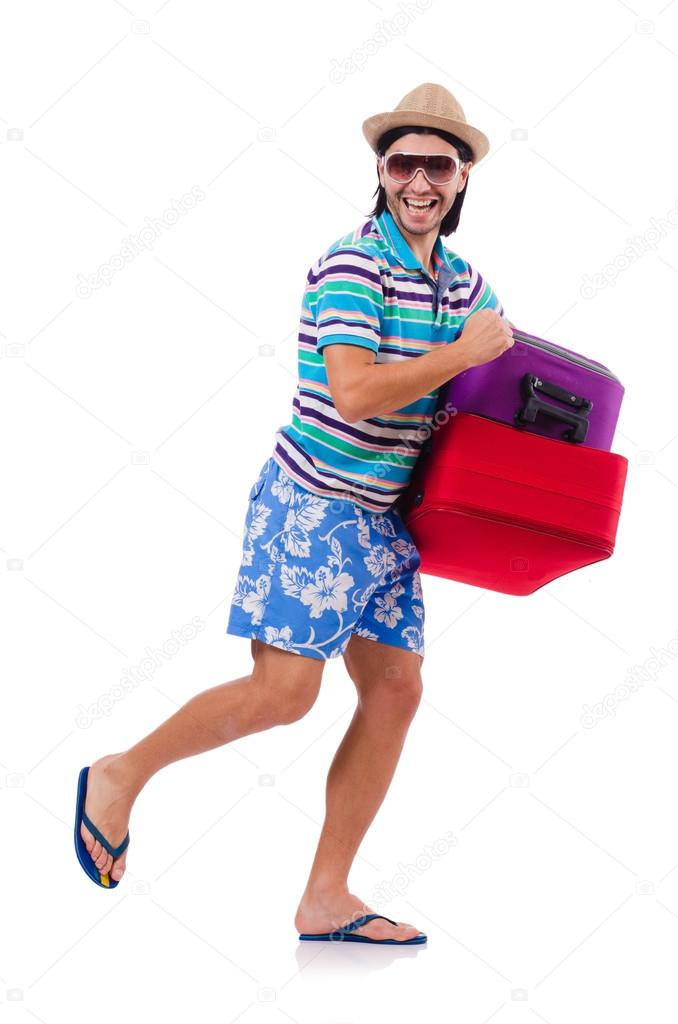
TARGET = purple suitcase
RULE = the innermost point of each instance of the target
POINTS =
(543, 388)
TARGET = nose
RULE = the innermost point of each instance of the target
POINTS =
(424, 179)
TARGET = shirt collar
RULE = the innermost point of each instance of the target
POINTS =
(446, 272)
(391, 232)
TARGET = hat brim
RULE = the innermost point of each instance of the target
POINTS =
(375, 126)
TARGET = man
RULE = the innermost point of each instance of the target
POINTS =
(328, 567)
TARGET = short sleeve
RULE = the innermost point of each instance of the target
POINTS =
(346, 299)
(481, 295)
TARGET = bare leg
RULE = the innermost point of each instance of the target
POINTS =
(389, 689)
(281, 688)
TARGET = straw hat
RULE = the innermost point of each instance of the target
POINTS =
(430, 106)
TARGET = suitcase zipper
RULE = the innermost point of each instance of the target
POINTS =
(556, 350)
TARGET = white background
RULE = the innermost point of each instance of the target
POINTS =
(559, 898)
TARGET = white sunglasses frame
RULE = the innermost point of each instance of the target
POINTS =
(458, 162)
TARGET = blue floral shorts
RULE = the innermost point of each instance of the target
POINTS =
(314, 570)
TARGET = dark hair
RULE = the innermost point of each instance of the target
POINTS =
(450, 221)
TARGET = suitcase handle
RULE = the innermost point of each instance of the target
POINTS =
(530, 384)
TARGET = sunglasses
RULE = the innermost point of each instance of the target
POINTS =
(439, 168)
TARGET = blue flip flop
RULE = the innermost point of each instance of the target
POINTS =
(343, 934)
(88, 865)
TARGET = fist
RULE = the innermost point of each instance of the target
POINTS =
(485, 336)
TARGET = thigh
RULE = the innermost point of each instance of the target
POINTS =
(306, 572)
(393, 615)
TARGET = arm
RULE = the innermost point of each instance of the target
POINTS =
(348, 308)
(362, 388)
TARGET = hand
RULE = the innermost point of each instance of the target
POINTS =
(484, 337)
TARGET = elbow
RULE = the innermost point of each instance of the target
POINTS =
(348, 413)
(347, 407)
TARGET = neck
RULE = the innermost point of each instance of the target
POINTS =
(421, 244)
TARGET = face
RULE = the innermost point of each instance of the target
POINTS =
(413, 221)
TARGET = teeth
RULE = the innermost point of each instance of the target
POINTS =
(418, 204)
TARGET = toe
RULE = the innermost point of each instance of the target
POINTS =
(102, 860)
(118, 868)
(402, 932)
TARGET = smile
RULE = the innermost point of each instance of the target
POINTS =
(419, 204)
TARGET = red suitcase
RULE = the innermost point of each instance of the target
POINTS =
(491, 505)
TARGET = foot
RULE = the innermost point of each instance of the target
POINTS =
(108, 805)
(325, 911)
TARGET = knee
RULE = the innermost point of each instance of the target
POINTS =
(293, 707)
(282, 702)
(395, 695)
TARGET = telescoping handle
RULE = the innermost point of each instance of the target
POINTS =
(532, 387)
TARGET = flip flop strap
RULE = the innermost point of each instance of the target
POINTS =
(360, 921)
(114, 851)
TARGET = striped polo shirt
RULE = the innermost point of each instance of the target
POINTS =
(369, 289)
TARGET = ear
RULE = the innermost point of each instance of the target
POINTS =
(464, 175)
